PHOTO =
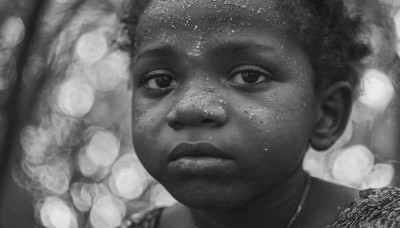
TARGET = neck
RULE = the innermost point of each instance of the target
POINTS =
(274, 208)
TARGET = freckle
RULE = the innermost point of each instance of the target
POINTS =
(246, 112)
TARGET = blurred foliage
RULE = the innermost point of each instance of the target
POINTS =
(67, 159)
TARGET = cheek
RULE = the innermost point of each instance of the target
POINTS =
(146, 124)
(275, 131)
(147, 116)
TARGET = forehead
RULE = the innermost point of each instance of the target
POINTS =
(204, 17)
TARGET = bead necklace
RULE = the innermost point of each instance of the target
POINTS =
(139, 220)
(301, 204)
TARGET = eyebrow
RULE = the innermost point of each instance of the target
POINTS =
(166, 51)
(223, 49)
(239, 47)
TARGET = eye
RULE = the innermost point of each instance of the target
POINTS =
(159, 80)
(249, 75)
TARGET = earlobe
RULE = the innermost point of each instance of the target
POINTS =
(333, 111)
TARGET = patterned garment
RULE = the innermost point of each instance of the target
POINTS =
(374, 208)
(148, 219)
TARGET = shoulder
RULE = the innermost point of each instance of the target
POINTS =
(325, 202)
(145, 219)
(372, 208)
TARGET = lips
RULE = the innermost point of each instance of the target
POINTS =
(201, 160)
(198, 150)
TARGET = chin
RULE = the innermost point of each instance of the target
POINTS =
(209, 203)
(213, 197)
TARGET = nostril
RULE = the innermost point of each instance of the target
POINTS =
(175, 124)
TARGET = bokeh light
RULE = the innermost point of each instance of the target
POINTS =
(128, 179)
(55, 213)
(160, 197)
(91, 46)
(380, 176)
(103, 148)
(87, 167)
(62, 1)
(108, 73)
(78, 146)
(34, 142)
(396, 19)
(104, 75)
(62, 127)
(81, 195)
(107, 212)
(378, 90)
(12, 32)
(315, 163)
(349, 166)
(75, 97)
(55, 176)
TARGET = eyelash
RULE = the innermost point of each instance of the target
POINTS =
(249, 69)
(154, 75)
(159, 73)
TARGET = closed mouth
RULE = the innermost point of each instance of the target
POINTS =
(196, 150)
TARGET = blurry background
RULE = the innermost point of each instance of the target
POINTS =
(66, 157)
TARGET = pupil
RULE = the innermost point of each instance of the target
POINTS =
(250, 77)
(163, 81)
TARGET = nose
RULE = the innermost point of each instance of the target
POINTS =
(197, 109)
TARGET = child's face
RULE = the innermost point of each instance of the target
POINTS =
(226, 75)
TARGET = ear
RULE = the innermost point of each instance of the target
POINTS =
(333, 111)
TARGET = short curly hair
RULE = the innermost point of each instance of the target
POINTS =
(327, 31)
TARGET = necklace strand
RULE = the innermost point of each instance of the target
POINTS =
(301, 204)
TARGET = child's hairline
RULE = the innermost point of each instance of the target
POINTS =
(285, 7)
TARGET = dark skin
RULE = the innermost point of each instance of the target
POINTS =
(229, 76)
